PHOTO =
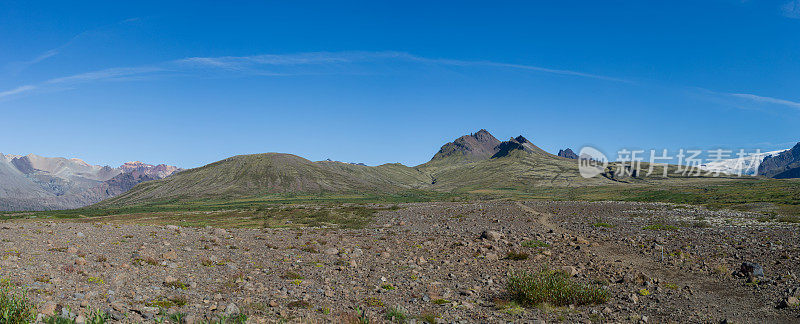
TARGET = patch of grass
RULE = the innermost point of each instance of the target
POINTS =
(167, 302)
(388, 287)
(175, 285)
(96, 316)
(373, 302)
(644, 292)
(535, 244)
(789, 219)
(358, 316)
(552, 287)
(517, 256)
(601, 224)
(509, 307)
(15, 307)
(292, 275)
(95, 280)
(721, 269)
(396, 314)
(55, 319)
(671, 286)
(298, 304)
(146, 260)
(428, 317)
(440, 301)
(176, 317)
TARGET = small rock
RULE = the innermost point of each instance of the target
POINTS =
(331, 251)
(752, 269)
(170, 255)
(49, 308)
(231, 310)
(81, 235)
(570, 270)
(789, 302)
(490, 235)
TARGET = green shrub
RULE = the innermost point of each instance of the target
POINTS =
(96, 316)
(517, 256)
(534, 243)
(552, 287)
(396, 314)
(601, 224)
(15, 307)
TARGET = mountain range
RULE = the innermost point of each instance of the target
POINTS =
(33, 182)
(747, 165)
(784, 165)
(473, 162)
(476, 163)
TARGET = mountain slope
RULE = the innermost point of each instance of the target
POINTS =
(33, 182)
(472, 162)
(745, 166)
(785, 165)
(259, 174)
(473, 147)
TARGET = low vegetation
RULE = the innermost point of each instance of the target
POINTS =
(15, 307)
(552, 287)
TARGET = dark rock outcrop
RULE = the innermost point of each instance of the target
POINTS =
(473, 147)
(785, 165)
(568, 153)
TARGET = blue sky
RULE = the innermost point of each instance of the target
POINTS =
(188, 83)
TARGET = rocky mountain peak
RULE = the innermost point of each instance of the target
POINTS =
(568, 153)
(784, 165)
(473, 147)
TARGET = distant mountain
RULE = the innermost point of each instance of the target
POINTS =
(261, 174)
(748, 165)
(33, 182)
(568, 153)
(472, 163)
(784, 165)
(473, 147)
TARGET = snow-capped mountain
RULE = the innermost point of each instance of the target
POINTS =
(745, 166)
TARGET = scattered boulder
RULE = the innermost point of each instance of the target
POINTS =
(750, 269)
(231, 310)
(789, 302)
(570, 270)
(491, 235)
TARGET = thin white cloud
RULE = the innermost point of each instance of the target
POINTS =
(17, 67)
(17, 90)
(350, 62)
(106, 75)
(768, 100)
(252, 63)
(791, 9)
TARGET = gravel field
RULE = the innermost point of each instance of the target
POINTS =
(442, 262)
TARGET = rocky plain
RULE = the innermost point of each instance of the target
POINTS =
(418, 262)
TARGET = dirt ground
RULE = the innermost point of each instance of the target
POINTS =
(660, 263)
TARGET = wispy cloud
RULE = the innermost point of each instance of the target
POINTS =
(256, 62)
(768, 100)
(17, 67)
(17, 90)
(112, 74)
(791, 9)
(349, 62)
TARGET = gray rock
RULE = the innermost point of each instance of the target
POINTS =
(232, 310)
(490, 235)
(752, 269)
